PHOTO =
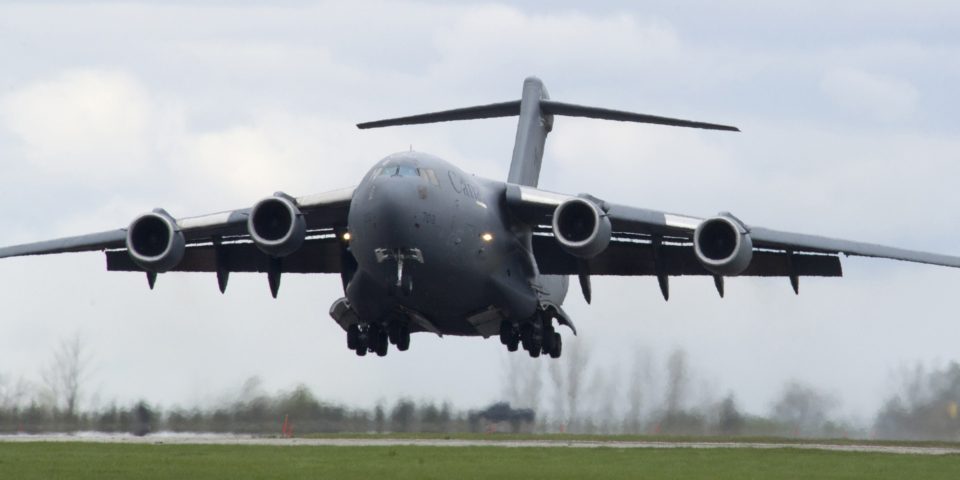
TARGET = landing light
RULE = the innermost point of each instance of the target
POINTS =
(346, 236)
(487, 237)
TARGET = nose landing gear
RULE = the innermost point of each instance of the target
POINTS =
(401, 282)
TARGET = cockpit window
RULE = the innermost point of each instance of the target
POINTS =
(407, 171)
(430, 176)
(400, 171)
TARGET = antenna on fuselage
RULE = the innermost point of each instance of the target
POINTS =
(536, 112)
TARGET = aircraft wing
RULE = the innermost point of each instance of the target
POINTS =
(650, 242)
(221, 242)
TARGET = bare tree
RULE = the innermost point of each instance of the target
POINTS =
(559, 393)
(604, 395)
(803, 408)
(12, 394)
(576, 357)
(677, 380)
(523, 381)
(641, 377)
(64, 376)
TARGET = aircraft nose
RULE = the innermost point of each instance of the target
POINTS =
(392, 212)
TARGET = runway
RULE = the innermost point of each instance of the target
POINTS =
(227, 439)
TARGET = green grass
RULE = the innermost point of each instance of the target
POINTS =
(106, 461)
(569, 437)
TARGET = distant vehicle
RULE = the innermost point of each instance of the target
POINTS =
(422, 246)
(501, 412)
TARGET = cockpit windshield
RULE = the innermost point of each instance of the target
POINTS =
(407, 171)
(400, 171)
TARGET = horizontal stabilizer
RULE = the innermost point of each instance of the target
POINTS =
(494, 110)
(570, 110)
(547, 107)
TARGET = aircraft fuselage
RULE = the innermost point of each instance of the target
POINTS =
(435, 243)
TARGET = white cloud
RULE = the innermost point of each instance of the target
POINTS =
(214, 107)
(504, 40)
(882, 97)
(93, 123)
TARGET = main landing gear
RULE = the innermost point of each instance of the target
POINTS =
(375, 338)
(536, 335)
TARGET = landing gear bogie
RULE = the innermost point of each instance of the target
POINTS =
(376, 338)
(537, 336)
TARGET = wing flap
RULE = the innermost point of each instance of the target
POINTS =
(320, 255)
(637, 258)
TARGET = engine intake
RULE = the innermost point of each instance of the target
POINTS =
(277, 226)
(582, 229)
(723, 245)
(155, 242)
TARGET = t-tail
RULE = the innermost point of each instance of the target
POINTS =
(536, 112)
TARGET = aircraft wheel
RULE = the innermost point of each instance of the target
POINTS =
(403, 343)
(526, 335)
(534, 352)
(547, 342)
(513, 346)
(506, 332)
(361, 349)
(381, 345)
(353, 336)
(557, 346)
(394, 333)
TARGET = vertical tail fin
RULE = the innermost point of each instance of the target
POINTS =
(532, 129)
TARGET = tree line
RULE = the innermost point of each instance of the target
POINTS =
(572, 395)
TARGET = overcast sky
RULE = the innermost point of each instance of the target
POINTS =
(849, 119)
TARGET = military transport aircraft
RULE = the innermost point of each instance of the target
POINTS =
(421, 245)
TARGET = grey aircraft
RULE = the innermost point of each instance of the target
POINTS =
(422, 246)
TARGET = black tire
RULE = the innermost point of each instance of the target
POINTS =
(506, 332)
(403, 343)
(557, 346)
(393, 332)
(526, 336)
(514, 345)
(534, 353)
(361, 350)
(547, 341)
(353, 336)
(382, 344)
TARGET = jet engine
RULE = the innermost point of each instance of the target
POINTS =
(277, 225)
(723, 245)
(154, 241)
(582, 229)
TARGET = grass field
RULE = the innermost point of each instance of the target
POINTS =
(572, 437)
(106, 461)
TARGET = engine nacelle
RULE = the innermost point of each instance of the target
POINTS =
(723, 245)
(276, 225)
(155, 242)
(582, 229)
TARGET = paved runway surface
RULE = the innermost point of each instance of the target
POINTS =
(219, 439)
